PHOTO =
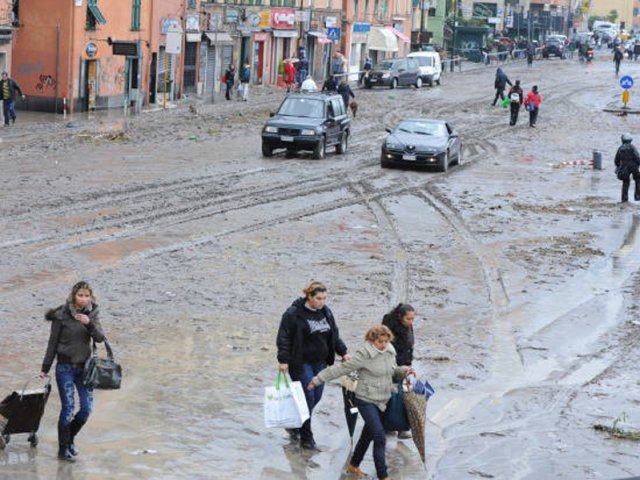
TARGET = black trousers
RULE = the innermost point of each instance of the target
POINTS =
(627, 182)
(533, 117)
(515, 109)
(499, 94)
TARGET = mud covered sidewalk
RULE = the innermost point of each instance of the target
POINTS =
(524, 274)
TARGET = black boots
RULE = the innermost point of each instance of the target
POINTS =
(64, 440)
(74, 428)
(306, 437)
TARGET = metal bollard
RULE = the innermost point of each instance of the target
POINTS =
(597, 160)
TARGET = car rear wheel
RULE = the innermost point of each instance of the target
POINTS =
(267, 151)
(418, 82)
(342, 146)
(319, 151)
(394, 83)
(444, 164)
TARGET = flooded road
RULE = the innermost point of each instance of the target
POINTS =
(524, 274)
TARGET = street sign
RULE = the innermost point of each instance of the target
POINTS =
(626, 82)
(174, 40)
(333, 33)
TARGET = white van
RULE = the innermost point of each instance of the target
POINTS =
(430, 66)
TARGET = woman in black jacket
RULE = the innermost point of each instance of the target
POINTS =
(73, 326)
(400, 322)
(308, 341)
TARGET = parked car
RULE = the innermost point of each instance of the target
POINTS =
(308, 121)
(421, 143)
(394, 72)
(553, 47)
(429, 65)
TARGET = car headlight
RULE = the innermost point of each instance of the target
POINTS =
(307, 132)
(271, 129)
(394, 145)
(386, 75)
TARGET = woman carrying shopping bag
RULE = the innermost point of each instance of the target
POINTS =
(376, 365)
(73, 326)
(308, 340)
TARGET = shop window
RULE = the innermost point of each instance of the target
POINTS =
(94, 15)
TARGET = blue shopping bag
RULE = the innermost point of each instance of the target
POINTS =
(395, 416)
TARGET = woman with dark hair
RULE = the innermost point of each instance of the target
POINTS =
(73, 326)
(308, 340)
(400, 322)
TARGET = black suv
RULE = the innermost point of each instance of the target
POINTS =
(307, 121)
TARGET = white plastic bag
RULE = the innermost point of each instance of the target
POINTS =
(285, 405)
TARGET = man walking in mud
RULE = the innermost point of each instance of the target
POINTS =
(500, 84)
(627, 163)
(8, 89)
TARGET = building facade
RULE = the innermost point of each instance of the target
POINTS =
(624, 8)
(9, 22)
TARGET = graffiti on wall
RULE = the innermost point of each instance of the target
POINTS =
(46, 82)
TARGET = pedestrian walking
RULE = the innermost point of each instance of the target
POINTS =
(617, 58)
(627, 162)
(532, 103)
(531, 52)
(303, 69)
(73, 326)
(516, 99)
(345, 92)
(308, 340)
(289, 74)
(500, 84)
(229, 80)
(400, 322)
(376, 365)
(8, 90)
(368, 65)
(245, 78)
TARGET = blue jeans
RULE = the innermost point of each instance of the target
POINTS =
(309, 370)
(68, 377)
(373, 431)
(9, 110)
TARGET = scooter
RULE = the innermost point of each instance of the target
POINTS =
(589, 55)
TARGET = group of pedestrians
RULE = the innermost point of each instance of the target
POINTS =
(229, 79)
(516, 98)
(308, 341)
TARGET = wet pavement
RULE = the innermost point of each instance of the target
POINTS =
(524, 274)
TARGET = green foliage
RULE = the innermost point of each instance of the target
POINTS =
(613, 16)
(592, 19)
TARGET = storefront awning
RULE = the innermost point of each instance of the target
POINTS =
(317, 34)
(194, 37)
(218, 38)
(383, 39)
(400, 35)
(285, 33)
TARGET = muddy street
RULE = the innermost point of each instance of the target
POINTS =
(524, 274)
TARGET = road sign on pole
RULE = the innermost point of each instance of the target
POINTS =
(333, 33)
(626, 82)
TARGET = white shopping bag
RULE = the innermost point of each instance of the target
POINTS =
(285, 405)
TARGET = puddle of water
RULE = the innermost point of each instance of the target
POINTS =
(113, 251)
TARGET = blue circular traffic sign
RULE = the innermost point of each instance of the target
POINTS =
(626, 82)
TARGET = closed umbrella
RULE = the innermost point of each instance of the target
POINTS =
(349, 383)
(415, 404)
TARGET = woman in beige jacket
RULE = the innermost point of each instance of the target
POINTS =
(376, 367)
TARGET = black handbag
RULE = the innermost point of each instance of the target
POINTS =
(102, 373)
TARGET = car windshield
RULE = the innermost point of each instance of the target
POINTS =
(385, 65)
(424, 61)
(423, 128)
(302, 107)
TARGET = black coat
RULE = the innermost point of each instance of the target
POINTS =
(290, 339)
(345, 91)
(501, 80)
(627, 158)
(403, 340)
